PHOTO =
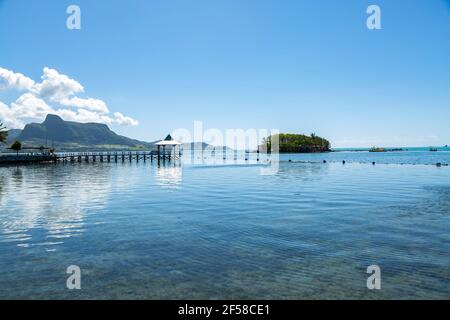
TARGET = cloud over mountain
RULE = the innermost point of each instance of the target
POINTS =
(55, 94)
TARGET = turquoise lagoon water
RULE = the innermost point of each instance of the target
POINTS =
(221, 230)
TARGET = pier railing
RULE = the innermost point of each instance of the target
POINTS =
(121, 156)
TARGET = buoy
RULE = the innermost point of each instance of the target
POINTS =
(373, 162)
(324, 161)
(290, 160)
(343, 162)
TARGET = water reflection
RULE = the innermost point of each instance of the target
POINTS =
(169, 176)
(2, 183)
(308, 232)
(302, 171)
(17, 176)
(42, 205)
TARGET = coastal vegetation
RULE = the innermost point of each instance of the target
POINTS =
(296, 143)
(3, 133)
(16, 146)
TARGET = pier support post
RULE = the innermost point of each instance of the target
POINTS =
(164, 153)
(159, 155)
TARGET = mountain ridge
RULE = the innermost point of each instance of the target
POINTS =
(70, 136)
(78, 137)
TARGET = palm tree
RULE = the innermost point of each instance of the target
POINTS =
(3, 133)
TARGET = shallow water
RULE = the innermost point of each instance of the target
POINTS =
(223, 230)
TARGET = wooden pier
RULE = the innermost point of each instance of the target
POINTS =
(125, 156)
(15, 159)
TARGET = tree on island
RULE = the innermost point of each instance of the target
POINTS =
(16, 146)
(297, 143)
(3, 133)
(313, 140)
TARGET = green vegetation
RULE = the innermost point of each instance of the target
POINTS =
(296, 143)
(16, 146)
(3, 133)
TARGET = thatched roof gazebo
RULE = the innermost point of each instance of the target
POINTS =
(168, 141)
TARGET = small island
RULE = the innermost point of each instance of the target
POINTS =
(296, 143)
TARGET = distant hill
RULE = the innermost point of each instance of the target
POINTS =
(12, 135)
(204, 146)
(75, 136)
(68, 135)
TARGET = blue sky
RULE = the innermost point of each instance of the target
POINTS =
(298, 66)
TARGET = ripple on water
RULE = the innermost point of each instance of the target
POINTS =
(309, 231)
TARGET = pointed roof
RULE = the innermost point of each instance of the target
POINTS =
(168, 141)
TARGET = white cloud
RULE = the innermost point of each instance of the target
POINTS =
(125, 121)
(89, 104)
(84, 116)
(13, 80)
(57, 87)
(56, 94)
(8, 118)
(30, 106)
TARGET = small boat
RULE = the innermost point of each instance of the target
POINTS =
(377, 150)
(433, 149)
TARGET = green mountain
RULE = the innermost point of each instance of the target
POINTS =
(75, 136)
(68, 135)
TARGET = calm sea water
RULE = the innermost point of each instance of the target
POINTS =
(223, 230)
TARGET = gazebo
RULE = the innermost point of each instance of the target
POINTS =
(168, 141)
